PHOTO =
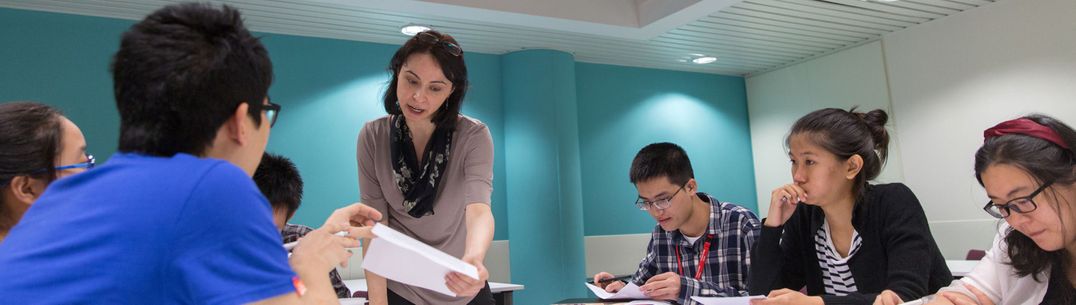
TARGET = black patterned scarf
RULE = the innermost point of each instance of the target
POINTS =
(419, 187)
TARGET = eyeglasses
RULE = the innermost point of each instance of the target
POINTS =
(1020, 205)
(451, 48)
(90, 163)
(272, 111)
(659, 204)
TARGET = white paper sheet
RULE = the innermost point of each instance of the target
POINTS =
(648, 302)
(630, 291)
(400, 258)
(727, 300)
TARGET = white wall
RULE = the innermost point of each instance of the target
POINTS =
(854, 77)
(955, 77)
(948, 80)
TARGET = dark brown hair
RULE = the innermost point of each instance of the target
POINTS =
(848, 133)
(452, 66)
(30, 135)
(1045, 162)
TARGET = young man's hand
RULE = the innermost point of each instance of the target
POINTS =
(357, 214)
(665, 286)
(612, 287)
(322, 251)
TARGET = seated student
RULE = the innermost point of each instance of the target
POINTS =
(701, 246)
(37, 145)
(174, 217)
(848, 241)
(280, 182)
(1028, 168)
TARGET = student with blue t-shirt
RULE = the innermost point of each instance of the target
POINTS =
(174, 217)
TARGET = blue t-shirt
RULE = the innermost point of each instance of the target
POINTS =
(147, 230)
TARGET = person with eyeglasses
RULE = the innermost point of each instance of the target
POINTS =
(846, 240)
(1028, 168)
(429, 169)
(37, 146)
(700, 245)
(174, 216)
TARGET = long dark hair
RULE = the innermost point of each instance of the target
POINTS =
(848, 133)
(1044, 161)
(30, 135)
(452, 66)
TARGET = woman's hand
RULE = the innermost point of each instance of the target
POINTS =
(887, 297)
(783, 202)
(956, 298)
(787, 297)
(464, 285)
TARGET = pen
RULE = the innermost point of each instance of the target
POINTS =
(610, 280)
(291, 245)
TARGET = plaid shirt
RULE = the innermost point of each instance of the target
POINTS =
(734, 230)
(293, 232)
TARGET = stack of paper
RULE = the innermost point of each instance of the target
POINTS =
(400, 258)
(629, 292)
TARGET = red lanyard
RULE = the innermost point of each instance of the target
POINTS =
(702, 258)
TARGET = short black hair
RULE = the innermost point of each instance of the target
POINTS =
(280, 182)
(452, 66)
(661, 160)
(30, 140)
(181, 72)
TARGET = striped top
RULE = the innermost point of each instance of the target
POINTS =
(836, 275)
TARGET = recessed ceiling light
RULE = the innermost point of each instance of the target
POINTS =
(704, 60)
(412, 29)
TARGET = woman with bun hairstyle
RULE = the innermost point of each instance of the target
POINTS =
(1028, 168)
(846, 240)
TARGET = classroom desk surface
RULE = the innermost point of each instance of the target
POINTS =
(353, 301)
(502, 292)
(960, 268)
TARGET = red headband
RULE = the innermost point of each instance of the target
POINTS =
(1027, 127)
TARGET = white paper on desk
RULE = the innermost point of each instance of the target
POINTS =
(727, 300)
(400, 258)
(630, 291)
(648, 302)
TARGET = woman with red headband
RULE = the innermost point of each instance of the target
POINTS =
(1027, 167)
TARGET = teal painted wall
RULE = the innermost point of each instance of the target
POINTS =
(622, 109)
(327, 88)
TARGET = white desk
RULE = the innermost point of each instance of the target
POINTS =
(960, 268)
(502, 292)
(353, 301)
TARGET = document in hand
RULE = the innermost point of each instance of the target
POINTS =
(629, 292)
(727, 300)
(400, 258)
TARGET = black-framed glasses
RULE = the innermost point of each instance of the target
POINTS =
(659, 204)
(1020, 205)
(451, 48)
(272, 111)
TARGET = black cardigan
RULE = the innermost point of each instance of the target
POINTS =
(897, 252)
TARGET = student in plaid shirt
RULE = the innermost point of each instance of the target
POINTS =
(694, 229)
(280, 182)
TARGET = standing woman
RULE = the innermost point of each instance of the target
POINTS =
(846, 240)
(1028, 168)
(429, 169)
(37, 145)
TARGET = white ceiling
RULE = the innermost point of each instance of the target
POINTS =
(747, 36)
